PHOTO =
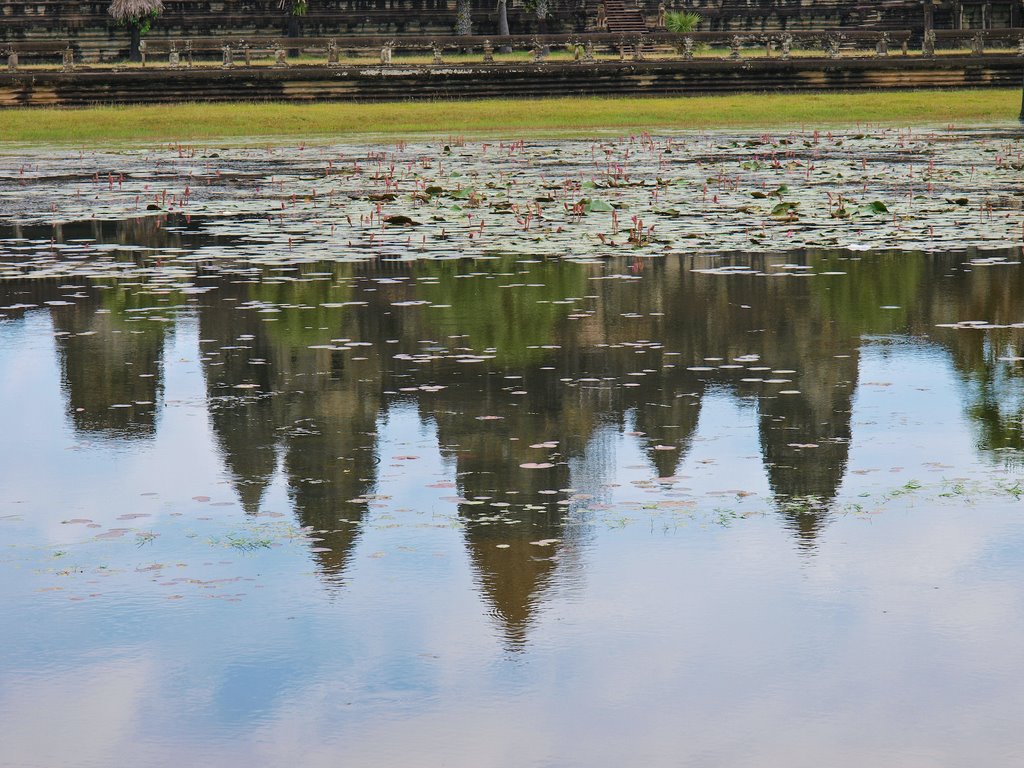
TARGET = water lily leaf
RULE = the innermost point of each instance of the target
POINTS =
(785, 209)
(876, 206)
(401, 221)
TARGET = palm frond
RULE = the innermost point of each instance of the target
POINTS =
(129, 10)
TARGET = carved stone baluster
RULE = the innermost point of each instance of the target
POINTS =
(928, 43)
(638, 49)
(537, 51)
(734, 47)
(832, 43)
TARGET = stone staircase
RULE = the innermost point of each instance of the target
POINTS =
(623, 18)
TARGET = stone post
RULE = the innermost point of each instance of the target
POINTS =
(588, 51)
(928, 43)
(142, 52)
(785, 46)
(332, 53)
(488, 52)
(734, 47)
(638, 49)
(279, 58)
(436, 49)
(882, 48)
(538, 51)
(1020, 46)
(687, 48)
(247, 53)
(188, 53)
(173, 57)
(978, 44)
(226, 58)
(68, 60)
(832, 43)
(12, 60)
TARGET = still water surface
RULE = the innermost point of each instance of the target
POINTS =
(744, 510)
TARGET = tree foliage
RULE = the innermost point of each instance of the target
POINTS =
(682, 22)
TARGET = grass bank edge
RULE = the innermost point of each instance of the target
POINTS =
(504, 118)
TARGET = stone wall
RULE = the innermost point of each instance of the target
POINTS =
(399, 83)
(96, 38)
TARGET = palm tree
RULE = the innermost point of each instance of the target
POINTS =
(541, 8)
(503, 17)
(138, 16)
(503, 23)
(682, 22)
(294, 9)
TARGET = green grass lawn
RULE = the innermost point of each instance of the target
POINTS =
(504, 118)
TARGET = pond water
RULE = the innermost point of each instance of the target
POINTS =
(285, 478)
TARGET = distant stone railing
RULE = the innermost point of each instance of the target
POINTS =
(237, 51)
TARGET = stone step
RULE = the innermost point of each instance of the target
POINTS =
(623, 19)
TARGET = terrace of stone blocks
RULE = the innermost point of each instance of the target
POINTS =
(86, 26)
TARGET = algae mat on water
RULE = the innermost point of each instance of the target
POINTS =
(573, 115)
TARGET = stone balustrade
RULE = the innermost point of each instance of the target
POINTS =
(432, 51)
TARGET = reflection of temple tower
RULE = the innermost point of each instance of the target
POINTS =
(244, 422)
(805, 439)
(513, 571)
(111, 366)
(709, 322)
(281, 386)
(331, 461)
(110, 357)
(991, 373)
(805, 416)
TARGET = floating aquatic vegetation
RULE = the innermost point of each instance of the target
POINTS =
(888, 189)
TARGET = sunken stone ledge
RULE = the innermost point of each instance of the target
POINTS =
(404, 83)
